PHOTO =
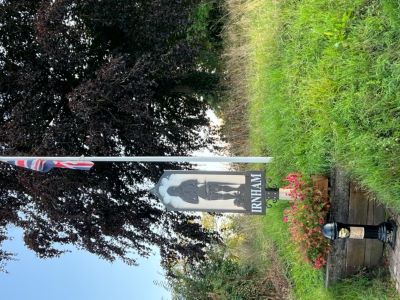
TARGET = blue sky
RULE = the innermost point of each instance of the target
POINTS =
(77, 275)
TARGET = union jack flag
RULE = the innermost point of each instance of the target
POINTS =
(41, 165)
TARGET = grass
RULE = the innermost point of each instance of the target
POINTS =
(267, 247)
(322, 83)
(254, 250)
(308, 283)
(366, 287)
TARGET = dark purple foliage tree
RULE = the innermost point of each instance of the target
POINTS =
(111, 77)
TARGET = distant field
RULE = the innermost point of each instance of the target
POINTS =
(322, 81)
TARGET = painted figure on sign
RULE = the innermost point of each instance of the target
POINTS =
(191, 190)
(213, 191)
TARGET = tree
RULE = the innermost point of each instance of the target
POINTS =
(98, 78)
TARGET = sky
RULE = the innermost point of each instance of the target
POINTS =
(77, 275)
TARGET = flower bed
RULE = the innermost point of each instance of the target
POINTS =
(307, 212)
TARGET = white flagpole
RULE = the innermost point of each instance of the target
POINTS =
(178, 159)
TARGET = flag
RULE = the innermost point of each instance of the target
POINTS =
(41, 165)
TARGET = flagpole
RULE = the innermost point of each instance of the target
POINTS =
(177, 159)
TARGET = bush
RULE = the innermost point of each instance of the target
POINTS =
(220, 277)
(307, 212)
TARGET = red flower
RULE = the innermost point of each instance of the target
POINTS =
(307, 212)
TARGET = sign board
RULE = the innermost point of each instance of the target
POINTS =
(212, 191)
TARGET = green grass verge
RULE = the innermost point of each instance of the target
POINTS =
(307, 282)
(366, 287)
(324, 89)
(323, 82)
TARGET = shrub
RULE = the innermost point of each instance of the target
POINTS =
(307, 212)
(219, 278)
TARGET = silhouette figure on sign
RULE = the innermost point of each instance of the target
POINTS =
(191, 190)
